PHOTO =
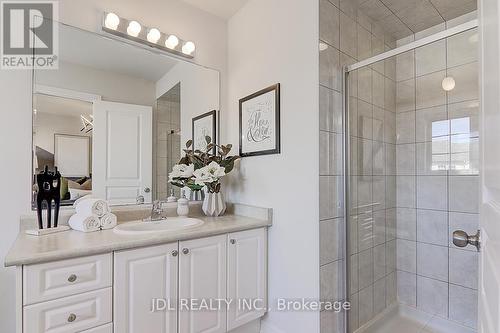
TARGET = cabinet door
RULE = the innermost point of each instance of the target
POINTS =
(140, 277)
(202, 281)
(247, 276)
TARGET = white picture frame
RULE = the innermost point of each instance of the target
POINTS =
(72, 155)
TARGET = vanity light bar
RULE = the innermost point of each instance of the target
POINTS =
(134, 31)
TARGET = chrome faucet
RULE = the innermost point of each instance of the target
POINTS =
(157, 211)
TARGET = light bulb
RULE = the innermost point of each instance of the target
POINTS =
(134, 28)
(112, 21)
(323, 46)
(172, 42)
(188, 48)
(448, 83)
(153, 35)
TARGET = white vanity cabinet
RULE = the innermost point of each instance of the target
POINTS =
(207, 272)
(115, 292)
(139, 277)
(71, 295)
(247, 277)
(202, 277)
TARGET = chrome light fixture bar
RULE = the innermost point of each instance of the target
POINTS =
(134, 31)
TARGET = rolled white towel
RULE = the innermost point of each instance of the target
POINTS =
(108, 221)
(84, 223)
(90, 196)
(92, 206)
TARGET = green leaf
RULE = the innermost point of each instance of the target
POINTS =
(208, 139)
(189, 143)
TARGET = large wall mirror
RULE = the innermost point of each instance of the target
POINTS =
(114, 117)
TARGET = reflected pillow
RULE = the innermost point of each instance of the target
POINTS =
(77, 193)
(87, 185)
(64, 189)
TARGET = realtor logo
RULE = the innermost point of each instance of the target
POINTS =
(29, 34)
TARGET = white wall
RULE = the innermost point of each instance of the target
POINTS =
(272, 41)
(48, 124)
(207, 31)
(15, 149)
(199, 92)
(111, 86)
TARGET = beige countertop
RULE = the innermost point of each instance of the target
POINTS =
(28, 249)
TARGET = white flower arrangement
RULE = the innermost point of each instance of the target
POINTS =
(199, 169)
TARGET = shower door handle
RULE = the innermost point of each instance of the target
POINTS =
(462, 239)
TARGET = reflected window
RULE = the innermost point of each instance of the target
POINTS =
(456, 152)
(440, 155)
(440, 128)
(461, 125)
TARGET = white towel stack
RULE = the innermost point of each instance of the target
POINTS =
(91, 215)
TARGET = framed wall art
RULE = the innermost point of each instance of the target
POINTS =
(204, 125)
(260, 122)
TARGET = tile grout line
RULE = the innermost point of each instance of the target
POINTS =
(415, 166)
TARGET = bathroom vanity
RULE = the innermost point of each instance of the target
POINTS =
(134, 121)
(209, 278)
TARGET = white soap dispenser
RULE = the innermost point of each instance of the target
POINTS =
(183, 205)
(172, 197)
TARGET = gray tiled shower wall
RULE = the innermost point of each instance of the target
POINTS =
(167, 145)
(347, 36)
(437, 151)
(414, 155)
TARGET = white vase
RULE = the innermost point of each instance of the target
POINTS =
(214, 204)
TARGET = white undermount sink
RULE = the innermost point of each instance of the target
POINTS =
(168, 224)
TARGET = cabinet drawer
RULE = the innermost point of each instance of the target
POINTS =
(70, 314)
(108, 328)
(57, 279)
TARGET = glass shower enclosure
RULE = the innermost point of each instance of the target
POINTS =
(411, 152)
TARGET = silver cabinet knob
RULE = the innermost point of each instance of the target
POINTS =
(72, 278)
(175, 253)
(232, 241)
(147, 190)
(185, 251)
(462, 239)
(72, 318)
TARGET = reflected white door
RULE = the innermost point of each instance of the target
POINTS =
(122, 152)
(489, 287)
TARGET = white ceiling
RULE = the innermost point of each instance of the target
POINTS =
(221, 8)
(96, 51)
(61, 106)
